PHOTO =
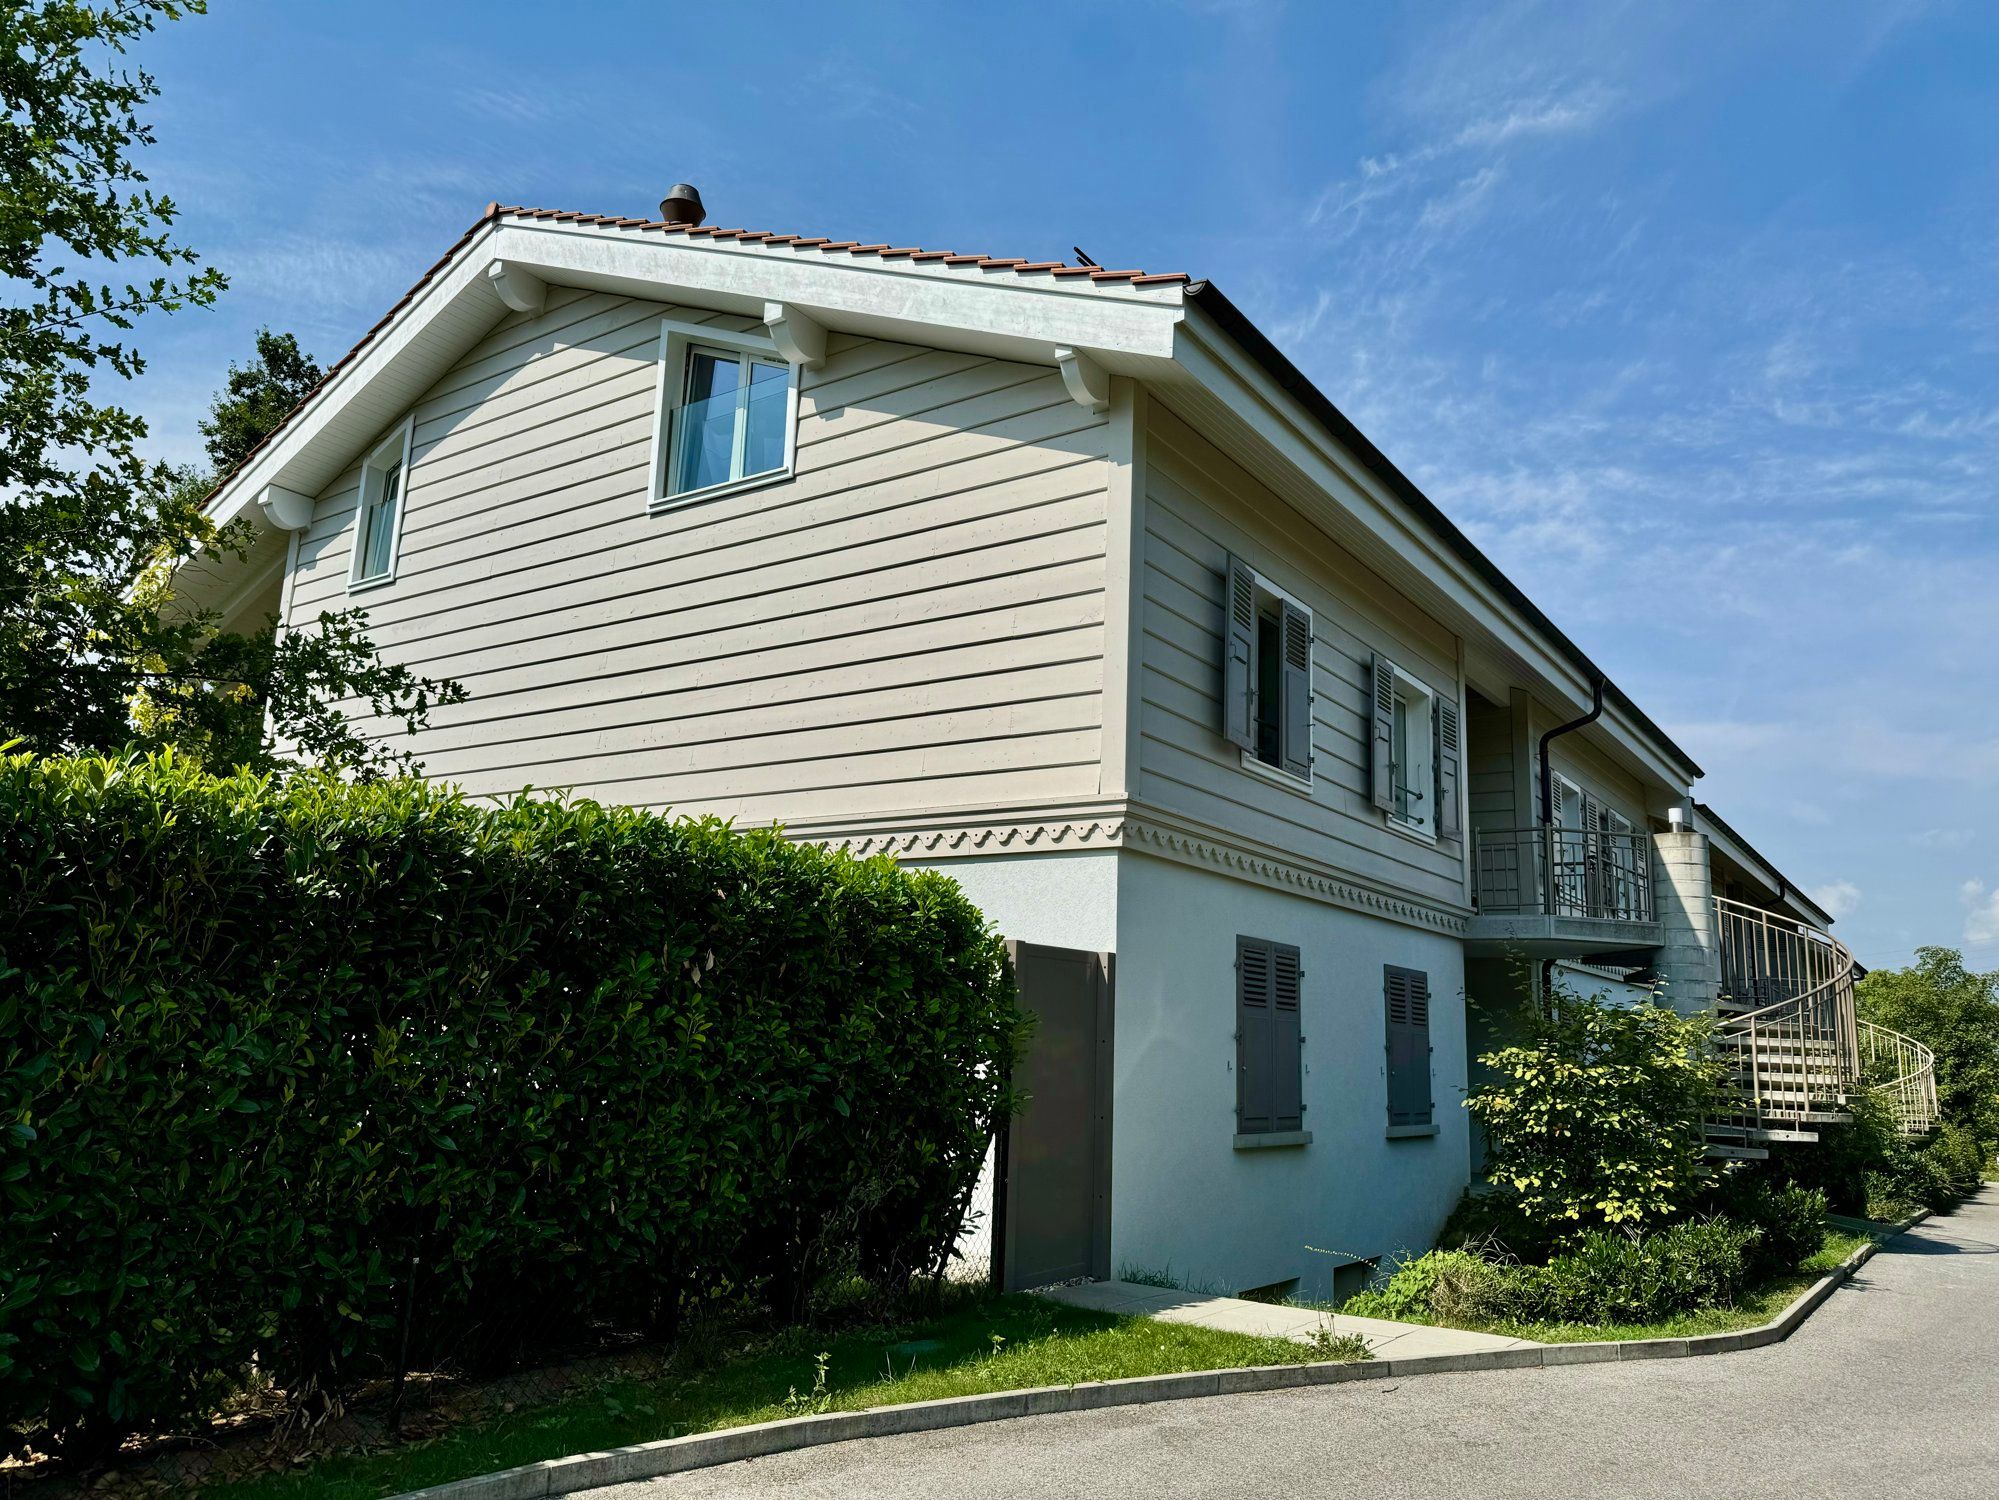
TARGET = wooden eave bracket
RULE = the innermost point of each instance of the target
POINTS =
(521, 290)
(1089, 383)
(800, 337)
(287, 510)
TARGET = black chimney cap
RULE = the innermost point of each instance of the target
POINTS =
(682, 204)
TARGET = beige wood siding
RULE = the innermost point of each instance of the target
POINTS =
(1489, 766)
(1199, 507)
(914, 620)
(1574, 757)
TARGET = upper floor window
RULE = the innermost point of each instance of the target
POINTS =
(728, 411)
(1413, 762)
(1413, 774)
(379, 512)
(1267, 674)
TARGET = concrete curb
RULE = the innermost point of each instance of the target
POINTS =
(583, 1471)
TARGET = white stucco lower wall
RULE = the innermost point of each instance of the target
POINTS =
(1066, 900)
(1183, 1196)
(1584, 984)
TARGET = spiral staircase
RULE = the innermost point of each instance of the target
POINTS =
(1795, 1052)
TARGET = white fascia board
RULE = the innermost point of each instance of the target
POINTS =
(1385, 535)
(1739, 854)
(446, 317)
(991, 312)
(996, 312)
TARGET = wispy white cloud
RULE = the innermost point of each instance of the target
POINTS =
(1943, 838)
(1579, 110)
(1981, 913)
(1461, 202)
(520, 105)
(1840, 898)
(1747, 461)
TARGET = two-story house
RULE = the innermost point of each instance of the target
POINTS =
(1060, 579)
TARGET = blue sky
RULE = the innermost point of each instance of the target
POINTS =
(1686, 312)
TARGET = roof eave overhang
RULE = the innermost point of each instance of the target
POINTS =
(976, 310)
(1739, 852)
(1215, 360)
(1393, 525)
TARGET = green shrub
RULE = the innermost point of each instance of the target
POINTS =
(1960, 1161)
(1955, 1012)
(1936, 1173)
(278, 1060)
(1791, 1222)
(1613, 1277)
(1452, 1286)
(1607, 1276)
(1840, 1163)
(1596, 1119)
(1488, 1221)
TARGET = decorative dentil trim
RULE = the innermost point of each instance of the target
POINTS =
(1202, 850)
(1233, 859)
(1015, 838)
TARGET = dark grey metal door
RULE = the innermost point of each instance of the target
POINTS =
(1056, 1179)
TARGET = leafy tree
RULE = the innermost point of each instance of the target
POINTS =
(257, 397)
(1594, 1117)
(1955, 1012)
(95, 649)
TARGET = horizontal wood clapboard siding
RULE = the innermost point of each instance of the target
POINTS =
(1199, 508)
(1489, 767)
(914, 620)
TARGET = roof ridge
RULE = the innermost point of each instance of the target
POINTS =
(883, 251)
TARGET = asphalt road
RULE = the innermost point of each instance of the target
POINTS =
(1891, 1389)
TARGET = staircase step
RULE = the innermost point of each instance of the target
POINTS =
(1762, 1134)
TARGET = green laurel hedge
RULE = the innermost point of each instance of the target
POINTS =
(284, 1064)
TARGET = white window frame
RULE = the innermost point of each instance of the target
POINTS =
(678, 338)
(1567, 784)
(392, 453)
(1420, 701)
(1251, 761)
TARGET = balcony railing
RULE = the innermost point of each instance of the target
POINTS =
(1790, 1035)
(1564, 872)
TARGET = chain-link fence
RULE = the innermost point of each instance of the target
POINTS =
(974, 1258)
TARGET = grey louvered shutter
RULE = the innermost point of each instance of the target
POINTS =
(1239, 655)
(1381, 739)
(1287, 1059)
(1297, 715)
(1419, 1045)
(1407, 995)
(1447, 769)
(1255, 1023)
(1596, 878)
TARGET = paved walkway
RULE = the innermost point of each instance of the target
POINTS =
(1273, 1319)
(1890, 1389)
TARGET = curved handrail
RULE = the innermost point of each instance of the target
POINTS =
(1911, 1089)
(1801, 1052)
(1797, 1051)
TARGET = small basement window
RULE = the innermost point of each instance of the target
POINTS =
(379, 513)
(728, 412)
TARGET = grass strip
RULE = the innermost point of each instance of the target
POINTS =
(988, 1344)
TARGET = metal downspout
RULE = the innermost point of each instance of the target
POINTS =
(1547, 772)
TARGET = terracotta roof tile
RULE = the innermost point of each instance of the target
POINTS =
(496, 210)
